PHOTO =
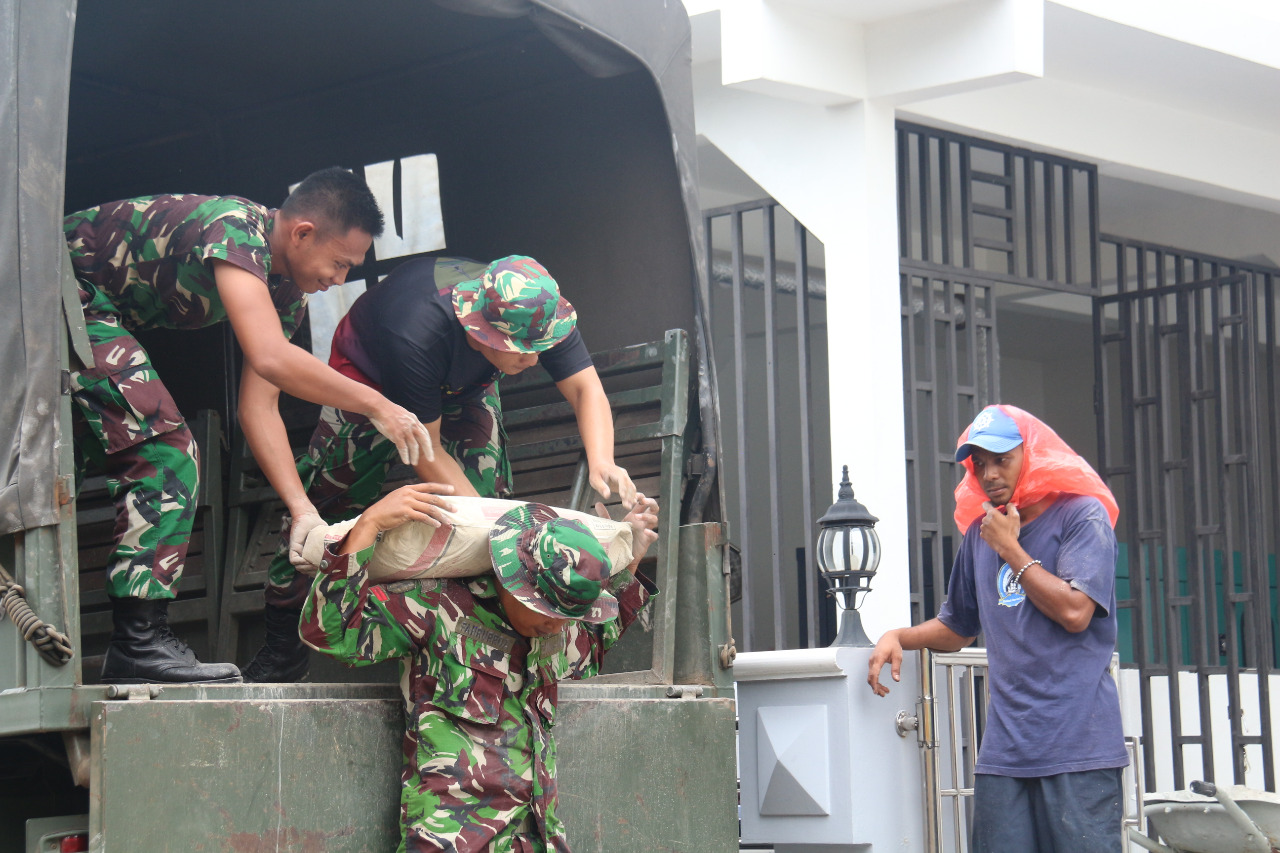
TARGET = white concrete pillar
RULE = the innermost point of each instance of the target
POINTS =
(865, 350)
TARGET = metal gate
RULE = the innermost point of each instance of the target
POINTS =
(951, 371)
(768, 317)
(974, 217)
(952, 714)
(1184, 443)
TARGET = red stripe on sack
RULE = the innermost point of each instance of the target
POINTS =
(430, 554)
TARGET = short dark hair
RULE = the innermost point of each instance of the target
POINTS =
(337, 198)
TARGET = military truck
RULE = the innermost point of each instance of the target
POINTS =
(561, 129)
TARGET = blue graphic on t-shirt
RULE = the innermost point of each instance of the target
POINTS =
(1010, 593)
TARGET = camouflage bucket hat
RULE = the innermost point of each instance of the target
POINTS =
(552, 565)
(515, 306)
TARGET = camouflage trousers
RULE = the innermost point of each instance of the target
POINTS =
(126, 424)
(347, 462)
(416, 815)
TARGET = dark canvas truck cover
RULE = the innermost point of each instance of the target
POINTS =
(84, 118)
(35, 59)
(604, 38)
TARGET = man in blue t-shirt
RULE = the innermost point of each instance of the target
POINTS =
(1039, 583)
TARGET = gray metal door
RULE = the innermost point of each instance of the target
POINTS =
(1179, 438)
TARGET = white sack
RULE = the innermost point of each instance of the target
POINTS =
(461, 547)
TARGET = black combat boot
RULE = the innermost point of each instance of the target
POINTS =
(144, 651)
(284, 658)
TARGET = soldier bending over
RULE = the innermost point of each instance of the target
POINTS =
(186, 262)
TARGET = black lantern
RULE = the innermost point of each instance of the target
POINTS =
(848, 554)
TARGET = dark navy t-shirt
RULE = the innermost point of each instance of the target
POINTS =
(404, 335)
(1054, 706)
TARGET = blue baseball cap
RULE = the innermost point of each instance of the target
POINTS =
(991, 430)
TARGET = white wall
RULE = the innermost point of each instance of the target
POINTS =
(785, 99)
(1159, 215)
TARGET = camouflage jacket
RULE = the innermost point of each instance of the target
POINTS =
(148, 259)
(480, 700)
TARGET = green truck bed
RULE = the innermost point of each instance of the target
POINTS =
(647, 752)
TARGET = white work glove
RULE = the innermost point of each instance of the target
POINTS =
(403, 429)
(299, 527)
(614, 474)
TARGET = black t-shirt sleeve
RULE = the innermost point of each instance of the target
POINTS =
(566, 358)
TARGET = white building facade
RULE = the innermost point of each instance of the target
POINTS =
(1069, 206)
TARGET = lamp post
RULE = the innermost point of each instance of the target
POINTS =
(809, 728)
(848, 555)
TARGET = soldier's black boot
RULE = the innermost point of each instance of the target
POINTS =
(284, 658)
(144, 651)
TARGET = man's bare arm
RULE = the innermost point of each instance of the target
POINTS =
(927, 635)
(264, 430)
(443, 468)
(297, 372)
(417, 502)
(595, 424)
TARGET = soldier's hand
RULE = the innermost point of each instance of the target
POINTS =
(601, 476)
(418, 502)
(299, 526)
(423, 502)
(405, 431)
(643, 519)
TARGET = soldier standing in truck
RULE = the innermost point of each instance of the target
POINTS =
(186, 262)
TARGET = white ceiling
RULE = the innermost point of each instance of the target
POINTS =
(865, 11)
(1101, 54)
(1198, 88)
(1095, 52)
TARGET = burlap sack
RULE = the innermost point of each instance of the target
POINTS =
(461, 547)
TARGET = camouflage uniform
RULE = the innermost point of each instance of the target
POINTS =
(480, 701)
(347, 462)
(144, 263)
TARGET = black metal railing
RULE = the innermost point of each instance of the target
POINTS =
(1187, 422)
(950, 372)
(1015, 215)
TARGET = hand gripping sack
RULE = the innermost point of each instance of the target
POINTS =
(461, 547)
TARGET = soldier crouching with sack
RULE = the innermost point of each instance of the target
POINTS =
(480, 660)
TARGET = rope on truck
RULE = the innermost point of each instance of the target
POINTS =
(53, 645)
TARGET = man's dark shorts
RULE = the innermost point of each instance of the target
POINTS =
(1068, 813)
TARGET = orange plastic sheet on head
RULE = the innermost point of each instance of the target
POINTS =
(1049, 466)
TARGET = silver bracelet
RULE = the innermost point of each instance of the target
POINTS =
(1017, 579)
